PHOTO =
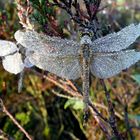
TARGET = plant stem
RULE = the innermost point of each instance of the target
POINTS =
(112, 117)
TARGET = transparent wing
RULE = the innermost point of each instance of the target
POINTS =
(117, 41)
(56, 55)
(7, 47)
(28, 39)
(62, 65)
(13, 63)
(108, 65)
(36, 41)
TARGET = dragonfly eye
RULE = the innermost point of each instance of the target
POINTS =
(80, 34)
(88, 33)
(91, 34)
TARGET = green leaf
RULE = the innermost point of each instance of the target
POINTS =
(136, 77)
(23, 117)
(46, 131)
(75, 103)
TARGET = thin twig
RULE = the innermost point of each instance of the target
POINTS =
(65, 88)
(127, 123)
(14, 120)
(103, 127)
(96, 111)
(72, 85)
(112, 118)
(92, 7)
(69, 10)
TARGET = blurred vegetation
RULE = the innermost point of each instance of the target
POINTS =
(40, 109)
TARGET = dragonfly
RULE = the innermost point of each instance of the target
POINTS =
(104, 57)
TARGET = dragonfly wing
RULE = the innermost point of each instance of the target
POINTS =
(51, 53)
(117, 41)
(33, 41)
(13, 63)
(108, 65)
(28, 39)
(7, 47)
(64, 66)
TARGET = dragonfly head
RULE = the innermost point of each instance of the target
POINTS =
(86, 36)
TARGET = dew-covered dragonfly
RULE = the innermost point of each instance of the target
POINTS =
(104, 57)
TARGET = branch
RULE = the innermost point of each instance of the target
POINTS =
(14, 120)
(103, 128)
(96, 111)
(67, 6)
(92, 7)
(112, 118)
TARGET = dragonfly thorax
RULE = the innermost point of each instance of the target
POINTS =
(86, 39)
(85, 48)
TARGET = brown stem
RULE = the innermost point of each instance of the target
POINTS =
(14, 120)
(112, 118)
